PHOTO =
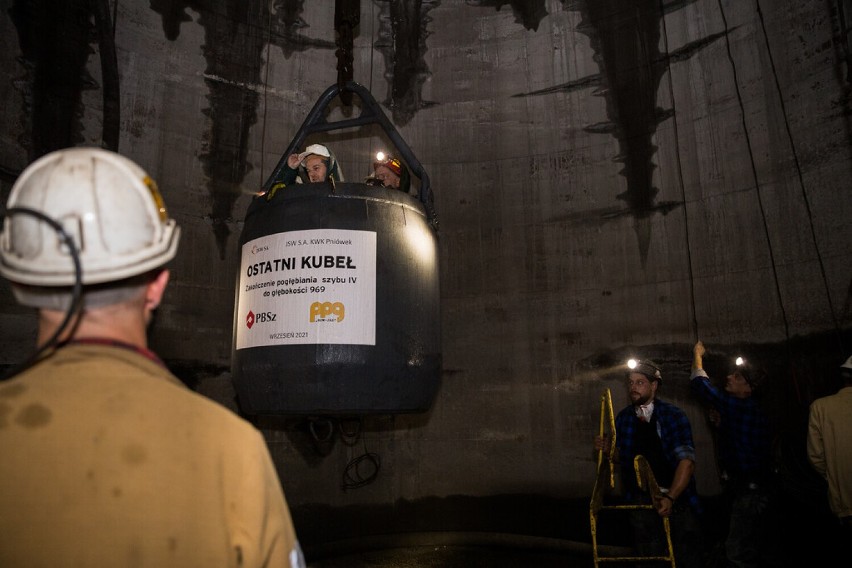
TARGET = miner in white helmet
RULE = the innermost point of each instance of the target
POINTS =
(315, 165)
(107, 458)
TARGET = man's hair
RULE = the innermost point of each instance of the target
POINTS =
(95, 296)
(754, 376)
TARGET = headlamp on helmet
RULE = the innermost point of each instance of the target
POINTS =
(646, 367)
(754, 376)
(391, 163)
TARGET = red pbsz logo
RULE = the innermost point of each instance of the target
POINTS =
(250, 319)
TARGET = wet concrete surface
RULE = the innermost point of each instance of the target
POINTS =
(459, 549)
(796, 536)
(462, 549)
(457, 556)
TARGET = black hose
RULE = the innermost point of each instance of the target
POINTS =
(76, 293)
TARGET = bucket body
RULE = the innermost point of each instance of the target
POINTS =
(337, 308)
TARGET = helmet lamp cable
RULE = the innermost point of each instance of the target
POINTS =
(76, 293)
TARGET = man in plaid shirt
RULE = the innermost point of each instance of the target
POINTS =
(744, 452)
(659, 431)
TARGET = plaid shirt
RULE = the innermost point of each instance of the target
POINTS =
(675, 434)
(744, 437)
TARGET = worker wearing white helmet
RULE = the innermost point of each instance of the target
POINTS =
(108, 459)
(107, 205)
(315, 165)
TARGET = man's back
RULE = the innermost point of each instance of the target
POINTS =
(108, 460)
(830, 447)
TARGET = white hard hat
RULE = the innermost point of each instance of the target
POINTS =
(105, 202)
(314, 149)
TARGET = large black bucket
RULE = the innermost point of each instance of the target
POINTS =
(317, 258)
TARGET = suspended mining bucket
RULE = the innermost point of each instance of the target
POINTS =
(337, 308)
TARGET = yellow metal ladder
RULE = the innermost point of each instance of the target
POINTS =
(606, 480)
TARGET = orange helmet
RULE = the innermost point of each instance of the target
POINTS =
(391, 163)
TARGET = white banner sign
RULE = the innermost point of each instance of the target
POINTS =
(315, 286)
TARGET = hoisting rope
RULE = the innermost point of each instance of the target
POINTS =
(347, 15)
(799, 173)
(754, 176)
(680, 178)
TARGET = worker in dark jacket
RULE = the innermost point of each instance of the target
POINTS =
(744, 452)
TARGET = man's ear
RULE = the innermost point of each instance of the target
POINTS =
(155, 290)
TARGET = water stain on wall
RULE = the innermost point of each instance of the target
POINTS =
(528, 13)
(56, 39)
(402, 34)
(236, 37)
(236, 34)
(625, 35)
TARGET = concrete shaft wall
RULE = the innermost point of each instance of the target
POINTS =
(610, 180)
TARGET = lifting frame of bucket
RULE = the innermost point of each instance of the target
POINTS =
(337, 308)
